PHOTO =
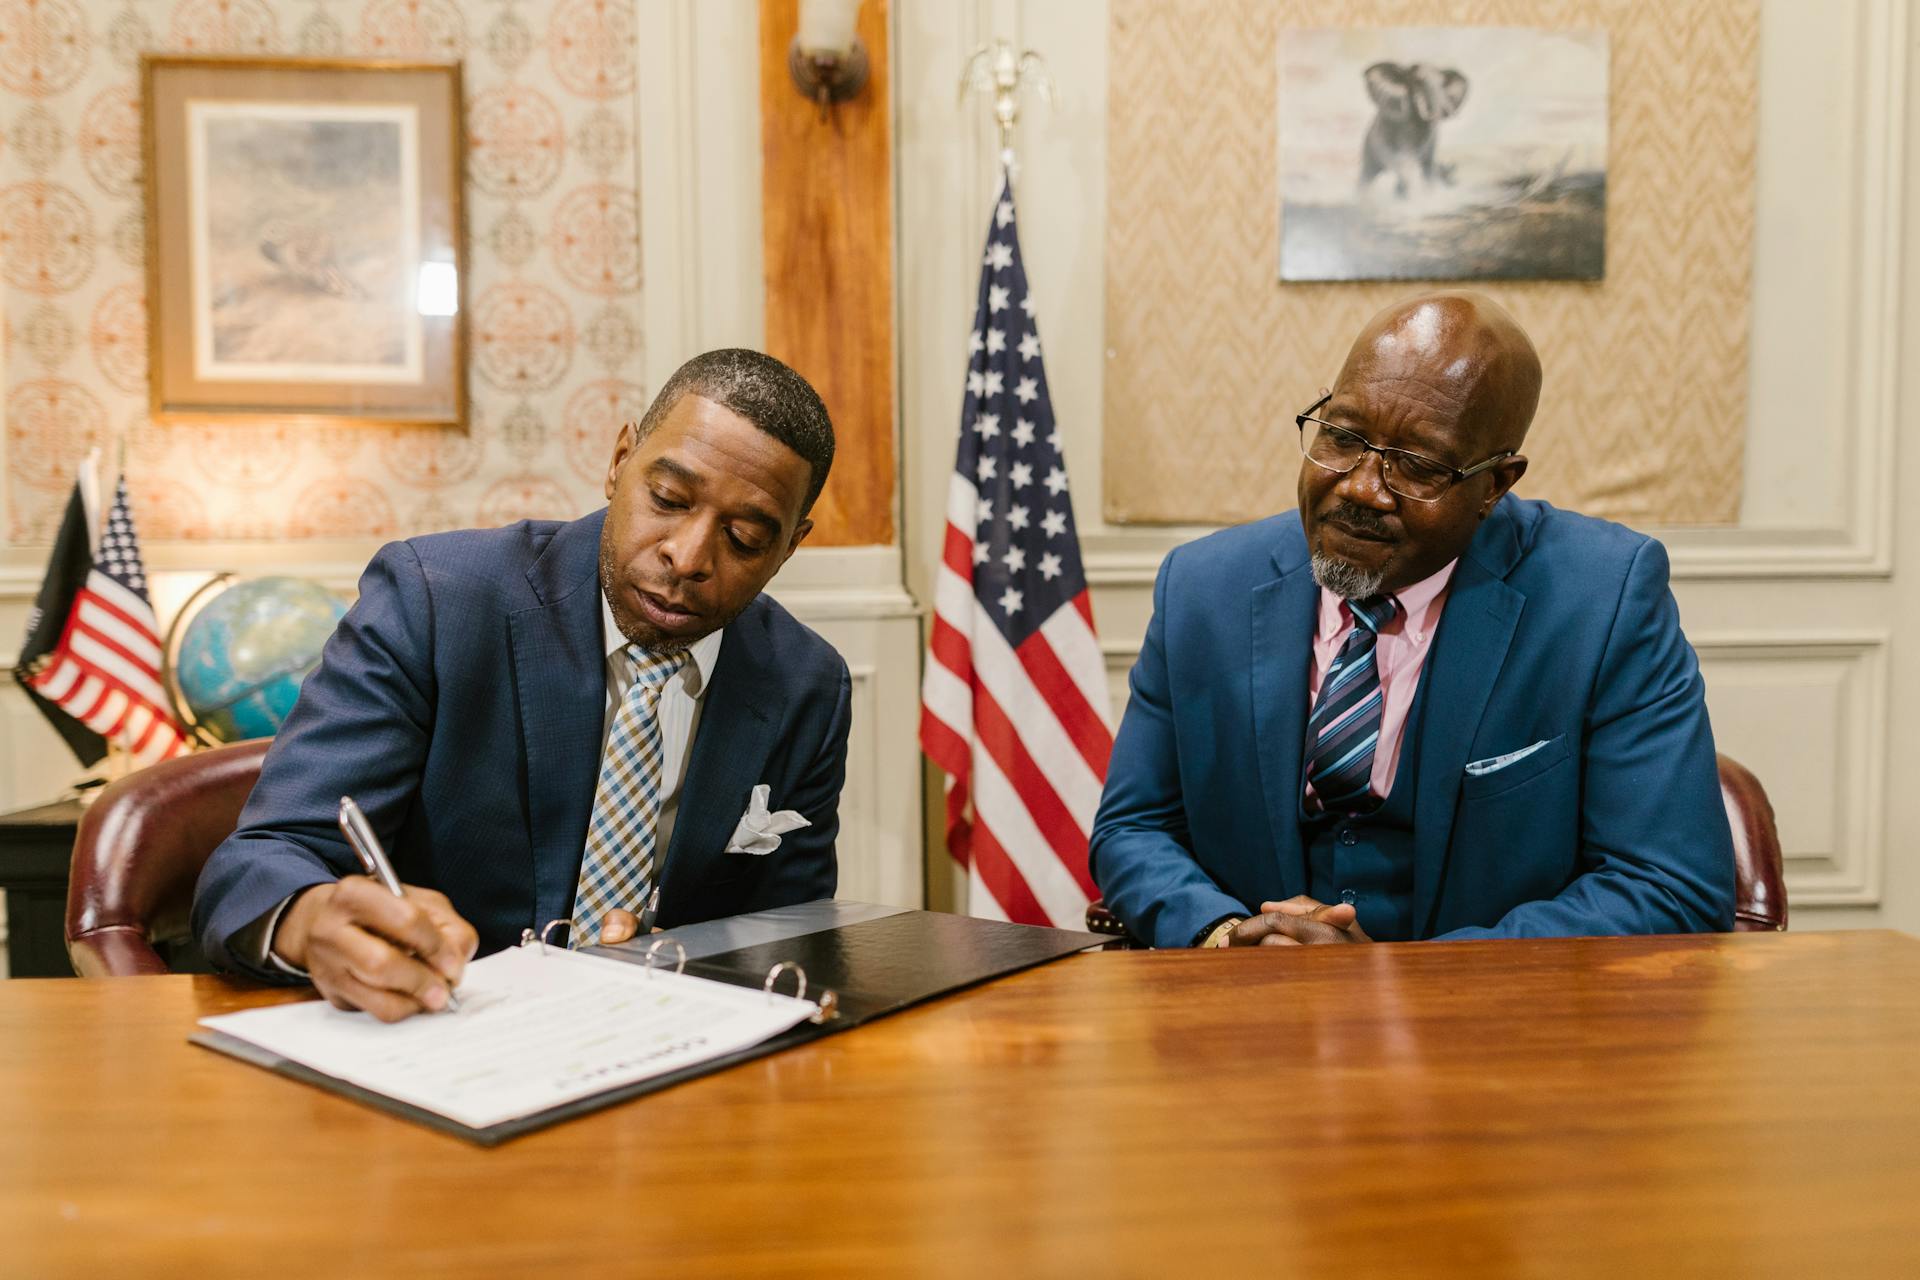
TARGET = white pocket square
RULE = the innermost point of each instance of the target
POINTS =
(759, 831)
(1494, 764)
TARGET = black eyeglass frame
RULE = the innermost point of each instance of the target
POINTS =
(1386, 452)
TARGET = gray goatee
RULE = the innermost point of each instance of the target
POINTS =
(1343, 579)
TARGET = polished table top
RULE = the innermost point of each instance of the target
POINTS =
(1744, 1104)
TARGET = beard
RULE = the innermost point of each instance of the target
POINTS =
(637, 629)
(1348, 581)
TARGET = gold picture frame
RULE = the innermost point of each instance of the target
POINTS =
(306, 244)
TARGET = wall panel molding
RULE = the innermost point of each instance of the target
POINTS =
(1827, 777)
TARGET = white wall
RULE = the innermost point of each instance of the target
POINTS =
(1796, 612)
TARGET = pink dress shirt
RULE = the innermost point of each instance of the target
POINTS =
(1399, 656)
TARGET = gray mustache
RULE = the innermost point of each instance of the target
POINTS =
(1359, 519)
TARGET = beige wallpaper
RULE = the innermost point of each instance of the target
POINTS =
(1643, 414)
(553, 282)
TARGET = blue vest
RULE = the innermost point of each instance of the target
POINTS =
(1370, 855)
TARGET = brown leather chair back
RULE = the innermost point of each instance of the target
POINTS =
(1759, 884)
(139, 851)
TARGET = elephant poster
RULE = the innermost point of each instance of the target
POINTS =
(1442, 153)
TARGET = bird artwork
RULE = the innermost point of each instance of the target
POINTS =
(304, 252)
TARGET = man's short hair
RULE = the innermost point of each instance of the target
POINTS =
(764, 391)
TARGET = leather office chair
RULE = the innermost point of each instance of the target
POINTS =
(139, 850)
(1759, 886)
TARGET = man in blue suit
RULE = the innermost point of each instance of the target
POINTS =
(556, 720)
(1422, 707)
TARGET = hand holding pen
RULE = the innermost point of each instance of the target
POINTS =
(372, 943)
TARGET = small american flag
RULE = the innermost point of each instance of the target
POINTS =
(1015, 706)
(103, 669)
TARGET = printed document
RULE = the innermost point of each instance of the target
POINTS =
(535, 1029)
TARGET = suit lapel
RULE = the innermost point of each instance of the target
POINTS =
(1476, 629)
(1283, 625)
(742, 704)
(559, 672)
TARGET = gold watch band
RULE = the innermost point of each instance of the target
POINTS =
(1222, 931)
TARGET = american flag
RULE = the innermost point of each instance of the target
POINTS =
(1015, 706)
(103, 669)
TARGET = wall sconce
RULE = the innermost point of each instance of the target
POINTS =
(827, 61)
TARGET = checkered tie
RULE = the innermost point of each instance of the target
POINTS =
(1345, 724)
(617, 867)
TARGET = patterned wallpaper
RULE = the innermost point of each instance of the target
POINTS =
(553, 236)
(1643, 414)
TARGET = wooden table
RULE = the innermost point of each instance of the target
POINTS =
(1734, 1105)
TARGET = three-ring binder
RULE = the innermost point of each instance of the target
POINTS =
(828, 1001)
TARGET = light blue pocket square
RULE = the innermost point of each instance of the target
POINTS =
(1494, 764)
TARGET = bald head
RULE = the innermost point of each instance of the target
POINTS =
(1464, 351)
(1443, 382)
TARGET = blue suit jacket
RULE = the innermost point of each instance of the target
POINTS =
(460, 703)
(1557, 629)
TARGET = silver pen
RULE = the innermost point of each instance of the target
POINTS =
(373, 860)
(649, 912)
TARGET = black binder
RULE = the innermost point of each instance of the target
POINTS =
(873, 960)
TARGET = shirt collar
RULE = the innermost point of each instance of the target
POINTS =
(705, 651)
(1414, 603)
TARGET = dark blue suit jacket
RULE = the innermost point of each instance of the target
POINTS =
(460, 703)
(1557, 629)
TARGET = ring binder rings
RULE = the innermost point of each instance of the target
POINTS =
(654, 950)
(532, 1005)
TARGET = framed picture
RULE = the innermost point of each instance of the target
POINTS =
(305, 247)
(1443, 153)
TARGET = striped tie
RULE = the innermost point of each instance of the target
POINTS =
(618, 864)
(1345, 724)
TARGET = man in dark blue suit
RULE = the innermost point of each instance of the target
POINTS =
(1422, 707)
(556, 720)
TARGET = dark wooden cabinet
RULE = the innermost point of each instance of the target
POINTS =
(36, 849)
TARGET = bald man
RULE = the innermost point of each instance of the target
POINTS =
(1420, 707)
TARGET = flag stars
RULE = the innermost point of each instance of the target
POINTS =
(1010, 601)
(976, 382)
(982, 511)
(1017, 518)
(1023, 433)
(988, 425)
(996, 341)
(1027, 389)
(1054, 523)
(996, 298)
(973, 343)
(1056, 481)
(980, 553)
(988, 465)
(995, 383)
(1049, 566)
(1053, 440)
(999, 258)
(1015, 559)
(1030, 346)
(1026, 305)
(1003, 213)
(1020, 475)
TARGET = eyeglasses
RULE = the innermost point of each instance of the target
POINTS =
(1410, 475)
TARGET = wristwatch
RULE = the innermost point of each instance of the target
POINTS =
(1220, 933)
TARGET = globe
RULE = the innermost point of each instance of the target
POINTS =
(241, 659)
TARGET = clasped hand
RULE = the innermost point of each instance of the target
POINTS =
(1299, 921)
